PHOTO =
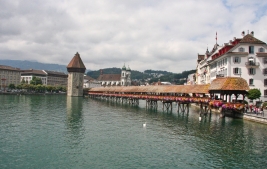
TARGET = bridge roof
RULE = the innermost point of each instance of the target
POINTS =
(229, 83)
(155, 89)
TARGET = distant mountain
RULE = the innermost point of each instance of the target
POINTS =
(24, 64)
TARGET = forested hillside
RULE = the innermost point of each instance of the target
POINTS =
(148, 75)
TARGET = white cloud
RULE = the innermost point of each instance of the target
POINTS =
(151, 34)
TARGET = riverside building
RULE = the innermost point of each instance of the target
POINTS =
(9, 75)
(244, 57)
(51, 78)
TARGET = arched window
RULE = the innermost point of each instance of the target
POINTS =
(261, 49)
(241, 49)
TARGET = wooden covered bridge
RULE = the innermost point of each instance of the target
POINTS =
(183, 95)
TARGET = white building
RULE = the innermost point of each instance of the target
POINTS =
(191, 79)
(48, 77)
(123, 79)
(245, 57)
(89, 82)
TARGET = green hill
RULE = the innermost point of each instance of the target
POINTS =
(151, 75)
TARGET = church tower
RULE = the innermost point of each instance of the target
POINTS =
(76, 71)
(123, 76)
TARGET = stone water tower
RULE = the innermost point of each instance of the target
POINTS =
(76, 71)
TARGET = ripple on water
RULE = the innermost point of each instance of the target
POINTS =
(62, 132)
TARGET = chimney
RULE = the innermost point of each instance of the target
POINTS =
(252, 33)
(101, 72)
(243, 33)
(230, 42)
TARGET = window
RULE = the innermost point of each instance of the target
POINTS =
(265, 82)
(265, 71)
(265, 60)
(251, 81)
(237, 71)
(251, 49)
(265, 92)
(241, 49)
(236, 59)
(261, 49)
(251, 71)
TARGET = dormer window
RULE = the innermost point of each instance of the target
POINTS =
(241, 49)
(261, 49)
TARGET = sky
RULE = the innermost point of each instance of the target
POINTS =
(142, 34)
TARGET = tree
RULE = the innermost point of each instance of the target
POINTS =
(11, 86)
(23, 81)
(36, 81)
(254, 94)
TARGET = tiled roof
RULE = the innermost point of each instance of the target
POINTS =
(156, 89)
(76, 62)
(9, 68)
(32, 72)
(229, 83)
(251, 39)
(54, 72)
(88, 78)
(109, 77)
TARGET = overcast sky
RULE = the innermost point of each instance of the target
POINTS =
(144, 34)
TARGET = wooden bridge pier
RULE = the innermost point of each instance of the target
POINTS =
(152, 104)
(183, 107)
(133, 101)
(205, 108)
(167, 105)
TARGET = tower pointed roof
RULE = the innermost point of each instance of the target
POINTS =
(76, 64)
(123, 67)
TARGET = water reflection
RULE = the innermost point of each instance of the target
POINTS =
(75, 118)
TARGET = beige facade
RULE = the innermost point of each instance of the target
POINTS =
(9, 75)
(75, 79)
(56, 78)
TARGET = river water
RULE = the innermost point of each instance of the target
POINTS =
(55, 131)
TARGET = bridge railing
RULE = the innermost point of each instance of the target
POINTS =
(181, 99)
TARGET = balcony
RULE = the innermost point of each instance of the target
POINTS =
(252, 64)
